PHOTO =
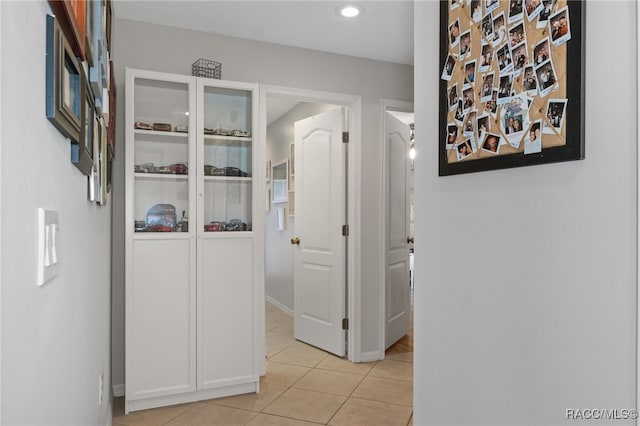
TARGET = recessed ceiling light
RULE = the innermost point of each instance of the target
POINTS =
(350, 10)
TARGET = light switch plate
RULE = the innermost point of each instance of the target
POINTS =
(48, 230)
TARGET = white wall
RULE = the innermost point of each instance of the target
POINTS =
(55, 338)
(540, 315)
(279, 251)
(167, 49)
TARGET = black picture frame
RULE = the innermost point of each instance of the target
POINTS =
(573, 147)
(63, 87)
(82, 150)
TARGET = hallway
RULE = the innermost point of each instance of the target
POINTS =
(303, 386)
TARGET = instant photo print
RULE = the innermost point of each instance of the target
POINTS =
(499, 30)
(533, 8)
(515, 11)
(533, 139)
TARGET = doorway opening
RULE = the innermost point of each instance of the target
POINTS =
(280, 109)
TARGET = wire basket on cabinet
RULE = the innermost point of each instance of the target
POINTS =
(206, 68)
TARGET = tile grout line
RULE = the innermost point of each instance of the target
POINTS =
(178, 415)
(349, 396)
(289, 386)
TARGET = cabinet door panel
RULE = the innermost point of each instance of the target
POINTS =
(160, 157)
(162, 340)
(225, 156)
(225, 312)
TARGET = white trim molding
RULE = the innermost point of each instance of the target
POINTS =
(287, 310)
(354, 179)
(118, 390)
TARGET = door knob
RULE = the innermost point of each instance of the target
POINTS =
(409, 240)
(295, 241)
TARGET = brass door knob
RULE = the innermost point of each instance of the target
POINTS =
(409, 240)
(295, 241)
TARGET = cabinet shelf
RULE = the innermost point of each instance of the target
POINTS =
(227, 179)
(154, 135)
(226, 140)
(227, 235)
(160, 176)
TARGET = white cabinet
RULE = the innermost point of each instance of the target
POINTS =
(194, 250)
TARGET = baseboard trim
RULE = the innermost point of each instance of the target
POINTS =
(163, 401)
(280, 306)
(371, 356)
(118, 390)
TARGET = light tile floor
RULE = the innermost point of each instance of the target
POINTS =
(303, 386)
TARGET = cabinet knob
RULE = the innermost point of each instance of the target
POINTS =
(295, 241)
(409, 240)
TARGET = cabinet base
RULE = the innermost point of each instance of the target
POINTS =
(163, 401)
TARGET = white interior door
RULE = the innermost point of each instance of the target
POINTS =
(397, 284)
(320, 247)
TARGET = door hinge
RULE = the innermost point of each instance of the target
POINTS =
(345, 323)
(345, 230)
(345, 137)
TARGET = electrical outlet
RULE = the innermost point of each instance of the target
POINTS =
(100, 387)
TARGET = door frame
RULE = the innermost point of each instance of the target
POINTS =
(354, 165)
(385, 105)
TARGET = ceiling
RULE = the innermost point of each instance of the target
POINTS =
(384, 31)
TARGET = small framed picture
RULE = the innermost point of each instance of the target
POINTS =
(268, 199)
(279, 182)
(292, 157)
(63, 83)
(104, 162)
(111, 121)
(82, 151)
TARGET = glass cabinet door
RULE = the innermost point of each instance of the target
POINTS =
(227, 159)
(161, 154)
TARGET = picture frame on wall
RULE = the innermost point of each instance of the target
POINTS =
(82, 150)
(279, 178)
(105, 184)
(96, 172)
(108, 23)
(267, 207)
(292, 154)
(71, 16)
(521, 84)
(90, 23)
(63, 87)
(291, 166)
(99, 66)
(111, 122)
